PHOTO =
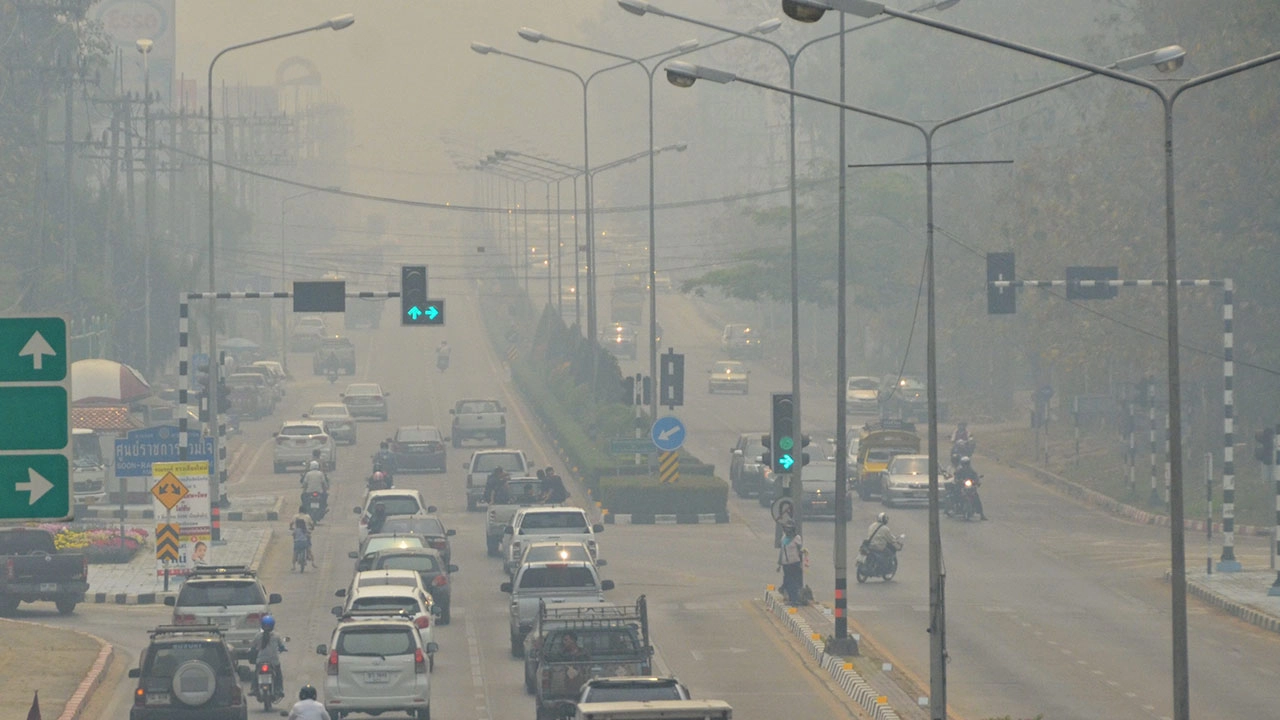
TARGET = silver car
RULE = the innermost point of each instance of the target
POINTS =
(377, 664)
(229, 596)
(337, 418)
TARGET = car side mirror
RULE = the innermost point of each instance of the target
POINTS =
(171, 601)
(453, 568)
(336, 610)
(597, 528)
(320, 650)
(432, 647)
(450, 533)
(505, 587)
(353, 555)
(357, 509)
(340, 592)
(274, 599)
(606, 584)
(135, 672)
(431, 508)
(737, 452)
(601, 562)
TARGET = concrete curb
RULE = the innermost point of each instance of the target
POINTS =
(676, 519)
(1099, 500)
(1251, 615)
(84, 691)
(842, 672)
(157, 596)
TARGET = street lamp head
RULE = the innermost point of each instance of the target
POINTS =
(1170, 58)
(767, 26)
(481, 48)
(682, 74)
(680, 147)
(945, 4)
(144, 45)
(811, 11)
(688, 45)
(531, 35)
(342, 22)
(636, 7)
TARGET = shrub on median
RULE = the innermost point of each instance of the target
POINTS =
(642, 494)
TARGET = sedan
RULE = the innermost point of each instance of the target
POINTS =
(728, 375)
(430, 528)
(419, 447)
(435, 573)
(366, 400)
(338, 419)
(819, 497)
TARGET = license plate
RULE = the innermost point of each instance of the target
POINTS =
(157, 698)
(377, 677)
(264, 678)
(48, 587)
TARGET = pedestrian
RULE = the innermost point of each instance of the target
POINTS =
(552, 489)
(495, 487)
(790, 562)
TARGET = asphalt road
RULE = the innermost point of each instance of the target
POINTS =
(1052, 607)
(703, 583)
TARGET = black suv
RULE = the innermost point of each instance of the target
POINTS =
(747, 476)
(187, 672)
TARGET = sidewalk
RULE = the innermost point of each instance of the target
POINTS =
(136, 582)
(1242, 594)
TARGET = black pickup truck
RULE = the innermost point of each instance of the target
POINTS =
(32, 569)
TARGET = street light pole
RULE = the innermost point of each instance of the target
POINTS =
(144, 46)
(217, 494)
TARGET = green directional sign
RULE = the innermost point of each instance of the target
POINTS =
(35, 409)
(34, 487)
(33, 349)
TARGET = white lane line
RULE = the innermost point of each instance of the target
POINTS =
(477, 674)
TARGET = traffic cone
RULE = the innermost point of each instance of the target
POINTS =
(34, 712)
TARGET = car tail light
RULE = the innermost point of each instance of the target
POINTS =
(422, 622)
(439, 544)
(264, 668)
(184, 619)
(440, 580)
(332, 668)
(252, 618)
(419, 661)
(139, 697)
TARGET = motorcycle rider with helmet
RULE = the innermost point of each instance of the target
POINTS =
(315, 480)
(266, 649)
(878, 535)
(384, 461)
(307, 707)
(965, 471)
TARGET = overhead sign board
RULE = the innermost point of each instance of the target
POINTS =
(35, 408)
(319, 296)
(136, 453)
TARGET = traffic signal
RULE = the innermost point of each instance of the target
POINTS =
(1265, 449)
(224, 397)
(671, 379)
(783, 435)
(1000, 300)
(804, 456)
(629, 390)
(413, 295)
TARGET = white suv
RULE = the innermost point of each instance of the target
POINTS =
(296, 442)
(558, 522)
(413, 602)
(377, 664)
(396, 501)
(229, 596)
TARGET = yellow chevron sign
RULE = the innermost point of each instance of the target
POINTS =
(669, 467)
(167, 542)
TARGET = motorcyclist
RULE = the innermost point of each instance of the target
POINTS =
(379, 481)
(377, 518)
(315, 480)
(879, 537)
(307, 707)
(961, 433)
(266, 649)
(385, 460)
(442, 355)
(300, 528)
(961, 443)
(965, 471)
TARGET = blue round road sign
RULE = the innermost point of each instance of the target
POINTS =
(667, 433)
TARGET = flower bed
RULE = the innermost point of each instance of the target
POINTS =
(98, 544)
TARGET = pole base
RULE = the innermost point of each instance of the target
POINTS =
(844, 647)
(1229, 566)
(1275, 589)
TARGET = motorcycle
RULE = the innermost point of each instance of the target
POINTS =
(265, 689)
(963, 448)
(878, 564)
(313, 504)
(300, 555)
(962, 499)
(379, 481)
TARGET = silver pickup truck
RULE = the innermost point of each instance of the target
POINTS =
(483, 462)
(479, 420)
(521, 492)
(549, 583)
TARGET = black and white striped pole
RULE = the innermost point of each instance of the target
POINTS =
(1151, 440)
(1275, 478)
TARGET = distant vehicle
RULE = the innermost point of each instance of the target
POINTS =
(412, 601)
(334, 353)
(747, 476)
(429, 527)
(419, 447)
(632, 689)
(906, 481)
(296, 442)
(273, 382)
(479, 420)
(656, 710)
(539, 523)
(366, 400)
(251, 396)
(35, 570)
(484, 462)
(521, 492)
(907, 398)
(819, 497)
(620, 340)
(337, 418)
(306, 333)
(88, 467)
(572, 642)
(434, 573)
(396, 501)
(862, 396)
(728, 375)
(740, 340)
(880, 442)
(541, 584)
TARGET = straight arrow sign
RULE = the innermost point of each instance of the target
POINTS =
(37, 347)
(36, 485)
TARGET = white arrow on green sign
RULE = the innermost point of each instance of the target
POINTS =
(35, 410)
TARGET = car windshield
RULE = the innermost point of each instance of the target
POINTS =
(376, 641)
(909, 466)
(163, 660)
(574, 552)
(301, 430)
(417, 435)
(331, 411)
(551, 576)
(407, 603)
(397, 504)
(417, 563)
(414, 525)
(863, 384)
(399, 542)
(221, 593)
(364, 389)
(568, 519)
(374, 579)
(523, 490)
(637, 692)
(478, 406)
(511, 462)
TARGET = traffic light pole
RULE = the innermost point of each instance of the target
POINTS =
(1275, 479)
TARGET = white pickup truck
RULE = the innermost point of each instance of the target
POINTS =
(551, 522)
(484, 462)
(656, 710)
(479, 420)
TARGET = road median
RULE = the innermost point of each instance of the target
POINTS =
(63, 665)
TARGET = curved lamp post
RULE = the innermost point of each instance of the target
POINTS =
(340, 22)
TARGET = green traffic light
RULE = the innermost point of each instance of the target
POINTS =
(786, 443)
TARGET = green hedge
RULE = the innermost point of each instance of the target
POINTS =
(643, 494)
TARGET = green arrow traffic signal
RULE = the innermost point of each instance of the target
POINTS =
(786, 461)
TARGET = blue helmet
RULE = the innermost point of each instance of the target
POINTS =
(268, 622)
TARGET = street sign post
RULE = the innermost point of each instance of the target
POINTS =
(181, 492)
(35, 410)
(667, 433)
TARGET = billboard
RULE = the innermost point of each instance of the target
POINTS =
(126, 22)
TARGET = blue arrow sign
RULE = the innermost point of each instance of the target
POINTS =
(432, 312)
(667, 433)
(414, 312)
(786, 461)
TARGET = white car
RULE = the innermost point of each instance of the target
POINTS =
(296, 442)
(862, 396)
(557, 522)
(906, 481)
(377, 664)
(412, 601)
(337, 418)
(558, 551)
(396, 501)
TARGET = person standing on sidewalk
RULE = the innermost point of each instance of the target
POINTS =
(790, 562)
